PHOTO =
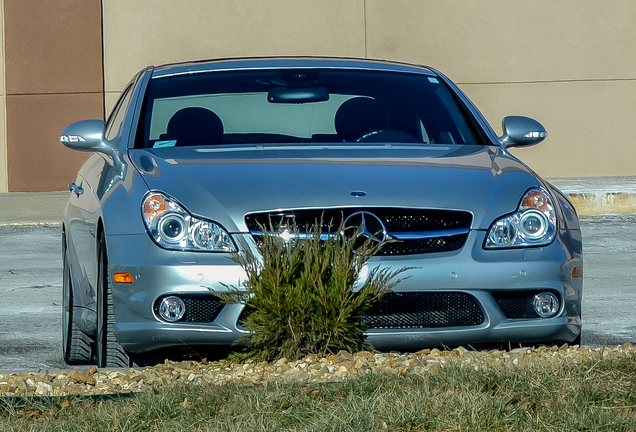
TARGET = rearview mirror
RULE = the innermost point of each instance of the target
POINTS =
(521, 131)
(297, 95)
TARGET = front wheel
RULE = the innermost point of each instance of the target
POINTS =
(108, 351)
(76, 345)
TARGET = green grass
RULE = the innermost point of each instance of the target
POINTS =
(598, 394)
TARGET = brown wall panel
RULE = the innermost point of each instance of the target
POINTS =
(53, 76)
(53, 46)
(37, 160)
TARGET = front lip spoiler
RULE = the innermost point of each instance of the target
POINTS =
(139, 338)
(509, 332)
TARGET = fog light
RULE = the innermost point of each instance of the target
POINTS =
(546, 304)
(172, 309)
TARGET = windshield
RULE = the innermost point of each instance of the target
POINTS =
(301, 106)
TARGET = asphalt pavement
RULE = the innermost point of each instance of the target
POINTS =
(31, 286)
(30, 318)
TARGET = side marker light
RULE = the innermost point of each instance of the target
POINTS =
(125, 278)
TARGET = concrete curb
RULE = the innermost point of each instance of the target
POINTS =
(599, 195)
(593, 204)
(32, 208)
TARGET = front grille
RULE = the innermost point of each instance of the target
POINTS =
(417, 230)
(517, 305)
(424, 310)
(199, 308)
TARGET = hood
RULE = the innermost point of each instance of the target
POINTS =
(226, 183)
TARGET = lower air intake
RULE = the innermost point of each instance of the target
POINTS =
(424, 310)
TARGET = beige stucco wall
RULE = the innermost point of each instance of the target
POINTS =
(4, 187)
(147, 32)
(571, 65)
(590, 124)
(485, 41)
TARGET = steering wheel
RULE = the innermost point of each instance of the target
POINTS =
(388, 135)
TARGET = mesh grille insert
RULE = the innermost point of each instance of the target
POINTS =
(419, 310)
(424, 310)
(437, 244)
(198, 308)
(517, 304)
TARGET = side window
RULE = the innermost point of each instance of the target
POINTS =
(116, 120)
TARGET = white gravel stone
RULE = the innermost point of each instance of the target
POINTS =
(332, 368)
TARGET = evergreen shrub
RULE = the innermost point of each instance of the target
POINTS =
(303, 294)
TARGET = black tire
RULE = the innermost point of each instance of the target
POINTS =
(576, 341)
(76, 345)
(108, 351)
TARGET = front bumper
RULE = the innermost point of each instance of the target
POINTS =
(482, 274)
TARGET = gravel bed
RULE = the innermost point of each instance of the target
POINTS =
(332, 368)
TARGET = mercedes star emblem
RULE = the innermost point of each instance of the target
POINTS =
(370, 225)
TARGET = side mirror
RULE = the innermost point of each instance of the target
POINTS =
(521, 132)
(85, 135)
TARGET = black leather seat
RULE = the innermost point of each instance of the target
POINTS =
(194, 126)
(359, 116)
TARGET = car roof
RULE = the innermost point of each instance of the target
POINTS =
(289, 62)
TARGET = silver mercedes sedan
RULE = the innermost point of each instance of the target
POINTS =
(196, 157)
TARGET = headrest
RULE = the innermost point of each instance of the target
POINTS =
(195, 126)
(359, 116)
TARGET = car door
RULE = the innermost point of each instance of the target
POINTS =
(82, 213)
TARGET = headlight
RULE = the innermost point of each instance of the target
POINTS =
(172, 227)
(533, 224)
